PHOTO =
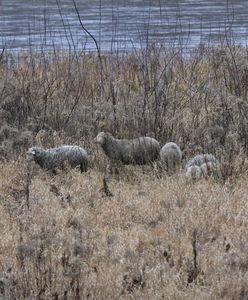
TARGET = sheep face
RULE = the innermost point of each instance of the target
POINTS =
(101, 138)
(33, 153)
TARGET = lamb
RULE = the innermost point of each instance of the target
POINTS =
(140, 151)
(53, 158)
(203, 166)
(171, 156)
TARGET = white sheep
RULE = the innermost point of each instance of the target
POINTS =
(142, 150)
(200, 159)
(53, 158)
(171, 156)
(203, 166)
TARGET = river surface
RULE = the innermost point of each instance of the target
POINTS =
(120, 25)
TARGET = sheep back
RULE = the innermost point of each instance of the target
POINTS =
(170, 156)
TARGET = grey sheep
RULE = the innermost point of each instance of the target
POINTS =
(203, 166)
(53, 158)
(171, 156)
(140, 151)
(200, 159)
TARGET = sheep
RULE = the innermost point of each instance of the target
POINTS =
(138, 151)
(171, 156)
(203, 166)
(53, 158)
(200, 159)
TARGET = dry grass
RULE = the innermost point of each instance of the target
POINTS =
(158, 237)
(154, 239)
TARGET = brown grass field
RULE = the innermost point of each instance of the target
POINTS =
(158, 236)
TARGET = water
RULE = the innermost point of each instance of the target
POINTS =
(120, 24)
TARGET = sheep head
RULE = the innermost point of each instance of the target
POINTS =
(102, 137)
(33, 153)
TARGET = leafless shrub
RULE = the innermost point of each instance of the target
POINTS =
(196, 100)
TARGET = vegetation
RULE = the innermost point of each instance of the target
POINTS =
(157, 236)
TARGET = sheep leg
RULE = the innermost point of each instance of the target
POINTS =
(105, 188)
(83, 167)
(112, 168)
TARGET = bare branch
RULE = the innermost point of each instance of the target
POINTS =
(87, 31)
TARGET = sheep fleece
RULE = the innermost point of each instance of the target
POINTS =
(200, 159)
(56, 157)
(140, 150)
(171, 155)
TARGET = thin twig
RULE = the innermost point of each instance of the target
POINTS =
(91, 36)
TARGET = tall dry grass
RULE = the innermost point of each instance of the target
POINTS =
(158, 237)
(154, 239)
